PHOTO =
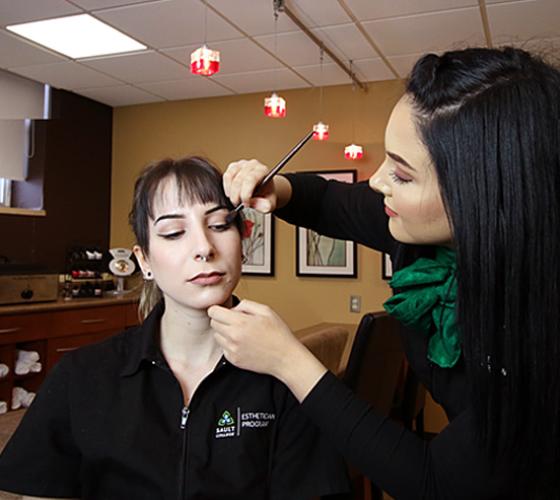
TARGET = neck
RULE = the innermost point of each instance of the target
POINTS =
(186, 336)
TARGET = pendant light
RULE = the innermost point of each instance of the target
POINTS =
(353, 151)
(274, 105)
(320, 129)
(205, 61)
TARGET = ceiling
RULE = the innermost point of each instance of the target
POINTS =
(382, 38)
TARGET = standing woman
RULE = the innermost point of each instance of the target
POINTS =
(467, 202)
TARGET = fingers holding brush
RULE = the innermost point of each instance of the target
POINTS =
(241, 180)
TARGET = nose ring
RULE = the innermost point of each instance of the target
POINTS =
(203, 258)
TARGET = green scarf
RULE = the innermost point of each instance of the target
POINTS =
(425, 298)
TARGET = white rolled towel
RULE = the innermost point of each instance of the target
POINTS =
(36, 367)
(27, 356)
(3, 407)
(21, 398)
(25, 361)
(23, 368)
(4, 370)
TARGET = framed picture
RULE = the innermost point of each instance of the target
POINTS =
(318, 255)
(258, 243)
(386, 266)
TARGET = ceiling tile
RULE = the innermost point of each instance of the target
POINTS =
(346, 41)
(366, 10)
(547, 48)
(169, 23)
(374, 69)
(295, 49)
(104, 4)
(139, 68)
(236, 56)
(330, 74)
(323, 13)
(262, 81)
(254, 17)
(16, 52)
(427, 32)
(122, 95)
(21, 11)
(66, 75)
(509, 21)
(191, 88)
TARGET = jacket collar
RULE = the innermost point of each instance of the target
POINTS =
(143, 343)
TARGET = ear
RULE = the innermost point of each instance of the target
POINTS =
(141, 258)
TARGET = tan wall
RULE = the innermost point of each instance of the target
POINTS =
(228, 128)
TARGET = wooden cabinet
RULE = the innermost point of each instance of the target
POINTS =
(52, 334)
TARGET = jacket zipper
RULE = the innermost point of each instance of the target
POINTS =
(185, 412)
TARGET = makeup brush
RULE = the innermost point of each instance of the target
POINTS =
(233, 214)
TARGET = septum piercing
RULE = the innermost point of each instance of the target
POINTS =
(203, 258)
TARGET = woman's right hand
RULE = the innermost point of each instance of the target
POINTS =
(242, 177)
(255, 338)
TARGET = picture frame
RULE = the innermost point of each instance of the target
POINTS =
(321, 256)
(386, 266)
(258, 243)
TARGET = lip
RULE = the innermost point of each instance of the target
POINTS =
(389, 212)
(205, 279)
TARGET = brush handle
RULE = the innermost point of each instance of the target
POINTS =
(284, 160)
(275, 170)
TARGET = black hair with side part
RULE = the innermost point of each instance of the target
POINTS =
(490, 121)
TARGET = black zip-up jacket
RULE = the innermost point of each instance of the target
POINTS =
(452, 466)
(109, 423)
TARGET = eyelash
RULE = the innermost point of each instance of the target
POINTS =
(219, 228)
(397, 178)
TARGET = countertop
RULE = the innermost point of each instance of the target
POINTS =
(62, 304)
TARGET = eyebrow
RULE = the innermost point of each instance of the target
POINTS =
(181, 216)
(400, 160)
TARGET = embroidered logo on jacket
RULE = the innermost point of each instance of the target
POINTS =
(228, 426)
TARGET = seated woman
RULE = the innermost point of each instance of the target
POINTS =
(156, 412)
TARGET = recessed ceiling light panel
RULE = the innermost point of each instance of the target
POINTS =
(77, 36)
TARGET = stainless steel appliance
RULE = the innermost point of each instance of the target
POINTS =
(17, 289)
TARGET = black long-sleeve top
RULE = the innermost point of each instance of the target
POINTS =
(453, 465)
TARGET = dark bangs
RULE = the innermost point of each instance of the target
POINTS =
(197, 180)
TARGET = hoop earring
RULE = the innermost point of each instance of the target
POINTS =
(148, 275)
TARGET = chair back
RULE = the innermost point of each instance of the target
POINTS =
(327, 346)
(375, 361)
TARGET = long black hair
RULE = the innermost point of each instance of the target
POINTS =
(197, 180)
(490, 121)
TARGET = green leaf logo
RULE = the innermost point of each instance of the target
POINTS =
(226, 419)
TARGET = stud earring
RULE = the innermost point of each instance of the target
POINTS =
(148, 275)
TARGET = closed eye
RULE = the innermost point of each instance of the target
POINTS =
(399, 179)
(220, 227)
(172, 236)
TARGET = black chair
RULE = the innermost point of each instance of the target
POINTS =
(374, 370)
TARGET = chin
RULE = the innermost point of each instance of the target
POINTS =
(206, 300)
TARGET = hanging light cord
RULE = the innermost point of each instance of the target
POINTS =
(275, 10)
(205, 22)
(321, 58)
